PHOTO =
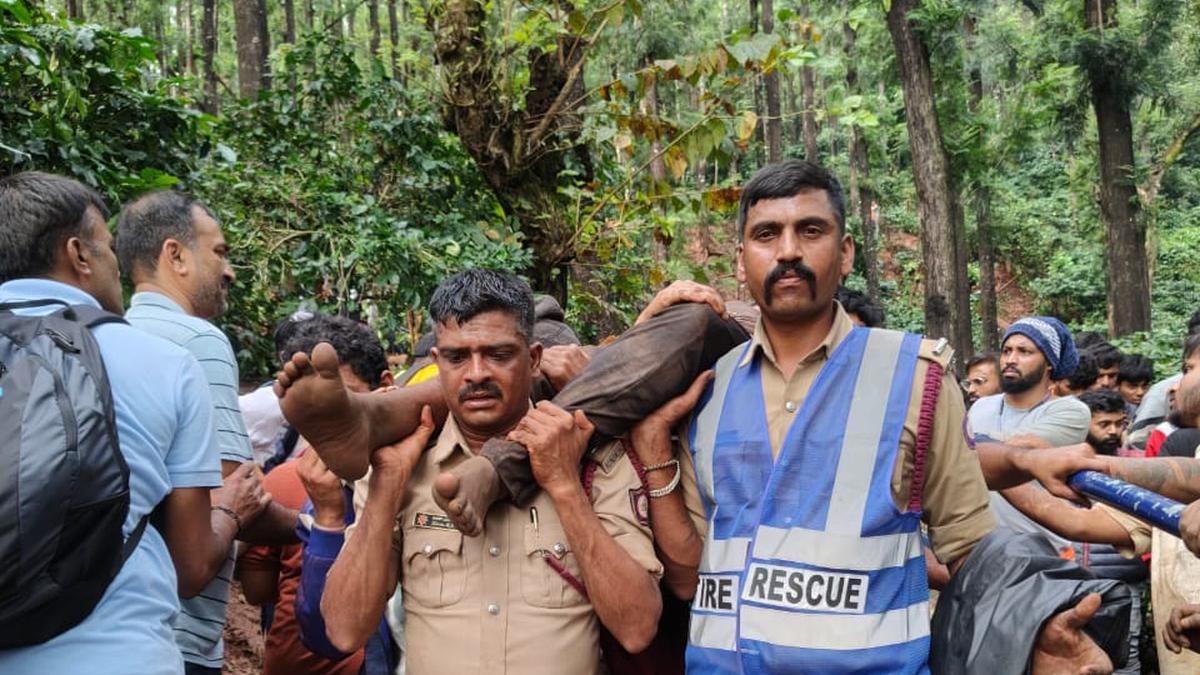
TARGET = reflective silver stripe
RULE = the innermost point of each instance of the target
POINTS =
(835, 551)
(724, 555)
(864, 426)
(835, 631)
(708, 418)
(713, 632)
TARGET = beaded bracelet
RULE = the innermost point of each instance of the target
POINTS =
(237, 520)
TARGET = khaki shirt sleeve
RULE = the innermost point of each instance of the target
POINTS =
(955, 496)
(361, 494)
(623, 506)
(1139, 532)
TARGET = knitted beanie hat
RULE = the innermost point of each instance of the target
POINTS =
(1054, 340)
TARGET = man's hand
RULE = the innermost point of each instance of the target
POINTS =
(1189, 528)
(651, 438)
(1053, 466)
(399, 459)
(563, 363)
(324, 488)
(1063, 647)
(1183, 629)
(242, 492)
(680, 292)
(556, 440)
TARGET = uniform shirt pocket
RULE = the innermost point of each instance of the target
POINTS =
(434, 571)
(541, 584)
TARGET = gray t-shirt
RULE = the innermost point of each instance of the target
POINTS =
(1058, 421)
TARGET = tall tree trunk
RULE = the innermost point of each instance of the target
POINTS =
(808, 100)
(760, 136)
(75, 10)
(253, 45)
(1128, 276)
(212, 104)
(336, 20)
(982, 205)
(351, 18)
(520, 154)
(309, 14)
(160, 36)
(934, 201)
(649, 106)
(771, 85)
(394, 39)
(289, 21)
(861, 194)
(190, 37)
(373, 22)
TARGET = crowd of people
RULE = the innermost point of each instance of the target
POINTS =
(778, 486)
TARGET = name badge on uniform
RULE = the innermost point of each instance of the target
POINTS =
(793, 588)
(433, 521)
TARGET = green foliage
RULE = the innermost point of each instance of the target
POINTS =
(79, 99)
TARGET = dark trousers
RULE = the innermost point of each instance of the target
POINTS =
(626, 381)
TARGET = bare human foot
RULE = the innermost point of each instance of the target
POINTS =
(467, 491)
(330, 418)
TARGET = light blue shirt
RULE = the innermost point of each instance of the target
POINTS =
(164, 423)
(200, 626)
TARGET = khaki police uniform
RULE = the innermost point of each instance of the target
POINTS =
(955, 496)
(492, 604)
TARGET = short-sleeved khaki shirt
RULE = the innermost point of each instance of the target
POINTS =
(955, 496)
(492, 603)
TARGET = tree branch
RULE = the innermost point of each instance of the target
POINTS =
(1150, 192)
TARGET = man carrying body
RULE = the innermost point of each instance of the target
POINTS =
(57, 246)
(174, 251)
(815, 469)
(531, 590)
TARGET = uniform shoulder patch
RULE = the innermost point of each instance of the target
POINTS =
(433, 521)
(639, 504)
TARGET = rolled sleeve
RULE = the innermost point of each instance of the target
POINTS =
(623, 506)
(1139, 532)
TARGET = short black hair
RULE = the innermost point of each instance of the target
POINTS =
(1085, 374)
(1135, 368)
(356, 345)
(1106, 355)
(986, 357)
(286, 328)
(38, 212)
(472, 292)
(788, 179)
(860, 305)
(1193, 324)
(1103, 401)
(1086, 339)
(1190, 344)
(148, 221)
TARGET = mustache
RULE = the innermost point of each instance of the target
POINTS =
(490, 388)
(796, 267)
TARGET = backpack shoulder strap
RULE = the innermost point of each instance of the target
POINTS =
(91, 316)
(135, 537)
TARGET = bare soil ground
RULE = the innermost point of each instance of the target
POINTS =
(243, 638)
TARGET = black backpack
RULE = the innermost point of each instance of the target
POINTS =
(64, 484)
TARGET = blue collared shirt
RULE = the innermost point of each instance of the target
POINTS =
(201, 622)
(164, 423)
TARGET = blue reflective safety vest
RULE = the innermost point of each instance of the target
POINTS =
(808, 566)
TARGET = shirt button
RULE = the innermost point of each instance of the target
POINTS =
(493, 609)
(427, 549)
(790, 406)
(559, 549)
(494, 551)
